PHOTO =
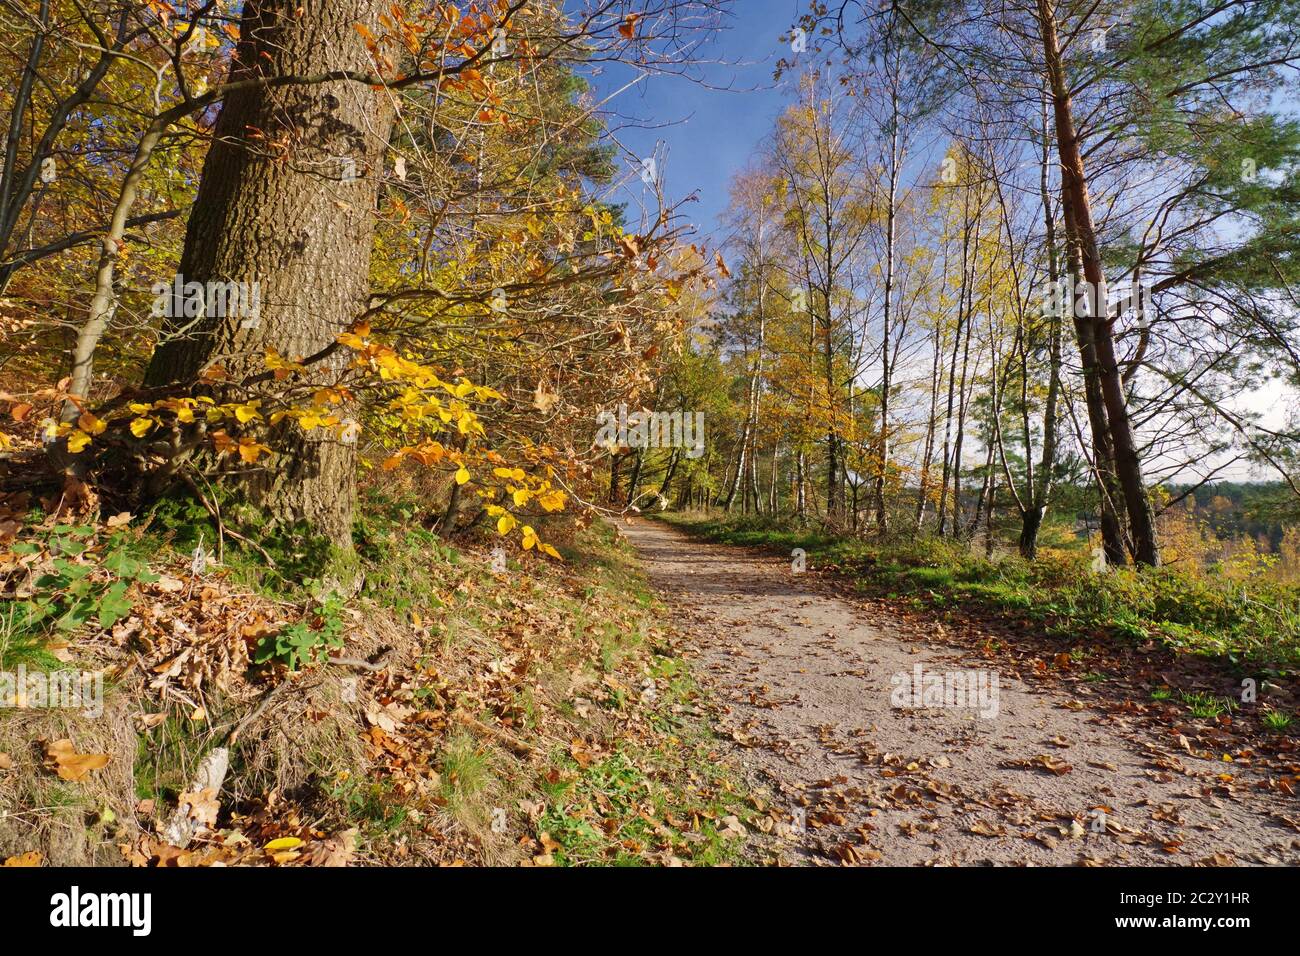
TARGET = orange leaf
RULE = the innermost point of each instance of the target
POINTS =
(62, 758)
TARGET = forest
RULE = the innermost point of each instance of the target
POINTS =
(381, 407)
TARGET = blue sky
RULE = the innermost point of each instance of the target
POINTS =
(705, 130)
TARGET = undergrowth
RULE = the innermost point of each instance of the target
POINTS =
(566, 662)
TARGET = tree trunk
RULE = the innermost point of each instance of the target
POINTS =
(615, 464)
(1031, 520)
(1041, 491)
(673, 459)
(634, 480)
(277, 207)
(800, 490)
(882, 448)
(1112, 537)
(1074, 185)
(771, 487)
(742, 447)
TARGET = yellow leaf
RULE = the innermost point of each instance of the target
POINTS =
(283, 843)
(91, 425)
(249, 449)
(77, 441)
(552, 552)
(462, 475)
(552, 501)
(521, 497)
(140, 426)
(530, 537)
(505, 524)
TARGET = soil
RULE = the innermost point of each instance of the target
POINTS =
(812, 685)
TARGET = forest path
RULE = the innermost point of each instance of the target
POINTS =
(1064, 773)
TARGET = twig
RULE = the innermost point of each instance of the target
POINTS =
(267, 697)
(221, 527)
(377, 664)
(518, 746)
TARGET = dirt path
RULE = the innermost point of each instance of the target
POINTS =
(1059, 775)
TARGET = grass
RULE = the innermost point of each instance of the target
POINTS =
(1207, 706)
(1277, 721)
(614, 811)
(20, 644)
(586, 636)
(466, 775)
(1256, 624)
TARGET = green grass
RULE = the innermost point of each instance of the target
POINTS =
(1277, 721)
(617, 810)
(1206, 705)
(465, 772)
(1256, 624)
(21, 643)
(373, 805)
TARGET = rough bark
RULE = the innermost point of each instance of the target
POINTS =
(278, 206)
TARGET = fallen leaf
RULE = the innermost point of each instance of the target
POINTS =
(202, 807)
(62, 758)
(283, 843)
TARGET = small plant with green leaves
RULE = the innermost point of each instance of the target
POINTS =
(305, 642)
(70, 576)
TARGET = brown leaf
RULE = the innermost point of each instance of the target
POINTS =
(202, 807)
(336, 851)
(62, 758)
(1041, 762)
(30, 858)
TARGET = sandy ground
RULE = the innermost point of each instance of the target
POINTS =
(1062, 774)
